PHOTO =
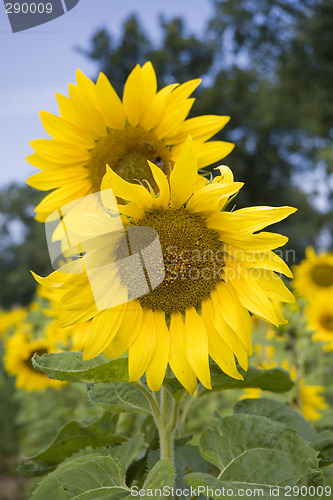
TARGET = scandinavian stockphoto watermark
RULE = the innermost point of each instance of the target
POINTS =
(26, 14)
(88, 236)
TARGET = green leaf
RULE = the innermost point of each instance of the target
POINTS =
(86, 478)
(75, 436)
(71, 367)
(280, 412)
(34, 468)
(126, 452)
(253, 453)
(274, 379)
(161, 475)
(119, 397)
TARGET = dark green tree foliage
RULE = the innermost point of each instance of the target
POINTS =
(22, 245)
(277, 88)
(178, 58)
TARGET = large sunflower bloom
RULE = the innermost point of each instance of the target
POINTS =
(19, 350)
(218, 268)
(314, 275)
(96, 128)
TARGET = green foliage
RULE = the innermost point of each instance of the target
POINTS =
(274, 380)
(89, 477)
(9, 408)
(179, 57)
(70, 366)
(280, 412)
(119, 397)
(253, 453)
(75, 436)
(22, 244)
(95, 476)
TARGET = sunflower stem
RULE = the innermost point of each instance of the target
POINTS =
(169, 419)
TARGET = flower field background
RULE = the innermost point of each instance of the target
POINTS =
(267, 65)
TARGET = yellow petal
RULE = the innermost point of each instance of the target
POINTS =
(235, 314)
(196, 345)
(155, 372)
(173, 118)
(163, 186)
(218, 349)
(273, 286)
(178, 359)
(183, 177)
(127, 190)
(213, 151)
(64, 131)
(260, 242)
(227, 333)
(86, 111)
(61, 152)
(60, 197)
(208, 198)
(152, 116)
(226, 174)
(102, 330)
(278, 311)
(201, 128)
(109, 104)
(149, 83)
(132, 97)
(127, 332)
(184, 90)
(249, 292)
(86, 84)
(44, 164)
(142, 349)
(44, 181)
(248, 220)
(265, 260)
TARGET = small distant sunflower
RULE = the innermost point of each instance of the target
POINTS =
(217, 269)
(11, 319)
(251, 393)
(19, 350)
(314, 275)
(319, 314)
(96, 127)
(312, 401)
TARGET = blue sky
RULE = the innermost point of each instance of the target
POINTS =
(37, 63)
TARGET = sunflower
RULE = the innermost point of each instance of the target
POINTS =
(314, 275)
(312, 401)
(11, 319)
(251, 393)
(96, 128)
(19, 350)
(217, 269)
(319, 315)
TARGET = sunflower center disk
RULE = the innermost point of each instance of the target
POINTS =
(126, 152)
(193, 260)
(327, 322)
(322, 275)
(28, 362)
